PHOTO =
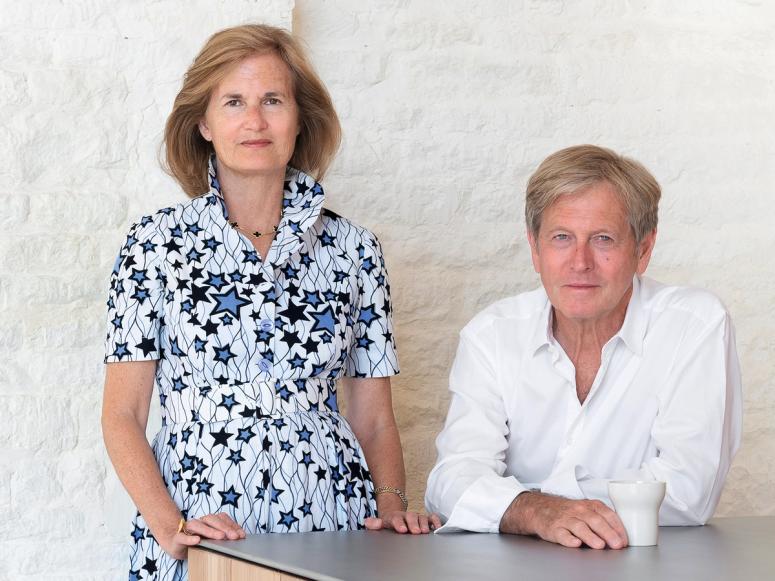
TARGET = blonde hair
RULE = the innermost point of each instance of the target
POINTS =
(187, 152)
(575, 168)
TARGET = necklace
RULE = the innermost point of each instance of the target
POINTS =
(256, 233)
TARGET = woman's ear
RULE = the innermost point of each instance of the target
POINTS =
(204, 130)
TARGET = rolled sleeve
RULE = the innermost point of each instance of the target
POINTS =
(698, 428)
(467, 486)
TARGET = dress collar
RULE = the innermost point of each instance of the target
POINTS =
(302, 201)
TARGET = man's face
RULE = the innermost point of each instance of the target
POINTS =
(586, 255)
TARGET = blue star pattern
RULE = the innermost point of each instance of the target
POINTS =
(249, 352)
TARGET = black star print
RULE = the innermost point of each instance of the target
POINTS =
(291, 338)
(211, 327)
(172, 246)
(294, 313)
(257, 278)
(147, 345)
(221, 437)
(310, 345)
(199, 293)
(150, 566)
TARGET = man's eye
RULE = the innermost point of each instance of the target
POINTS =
(603, 239)
(561, 237)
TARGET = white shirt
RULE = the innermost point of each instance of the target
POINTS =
(666, 404)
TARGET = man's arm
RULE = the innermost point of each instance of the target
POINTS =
(564, 521)
(696, 431)
(467, 485)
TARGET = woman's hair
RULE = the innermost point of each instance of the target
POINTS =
(576, 168)
(187, 152)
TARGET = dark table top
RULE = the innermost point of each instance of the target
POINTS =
(726, 549)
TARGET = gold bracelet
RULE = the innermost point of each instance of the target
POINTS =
(392, 490)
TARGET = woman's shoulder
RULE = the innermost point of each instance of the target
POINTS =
(344, 228)
(170, 220)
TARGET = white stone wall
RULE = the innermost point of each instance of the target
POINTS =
(447, 107)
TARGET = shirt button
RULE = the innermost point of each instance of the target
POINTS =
(264, 365)
(266, 325)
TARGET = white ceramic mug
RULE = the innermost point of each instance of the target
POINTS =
(637, 503)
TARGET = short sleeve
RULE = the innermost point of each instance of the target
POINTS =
(373, 349)
(135, 298)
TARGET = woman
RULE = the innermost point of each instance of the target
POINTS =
(245, 306)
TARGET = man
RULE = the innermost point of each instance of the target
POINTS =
(602, 374)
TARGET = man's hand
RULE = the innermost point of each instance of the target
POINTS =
(564, 521)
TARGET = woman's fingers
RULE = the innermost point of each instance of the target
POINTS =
(223, 522)
(215, 526)
(373, 523)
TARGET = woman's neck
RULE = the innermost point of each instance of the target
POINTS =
(254, 202)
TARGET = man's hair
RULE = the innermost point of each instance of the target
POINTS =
(187, 152)
(576, 168)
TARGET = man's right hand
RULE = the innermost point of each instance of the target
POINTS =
(564, 521)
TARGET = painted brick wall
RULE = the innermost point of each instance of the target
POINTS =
(85, 88)
(447, 107)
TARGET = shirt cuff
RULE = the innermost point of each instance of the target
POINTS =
(565, 483)
(482, 505)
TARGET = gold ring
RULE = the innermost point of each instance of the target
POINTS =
(182, 527)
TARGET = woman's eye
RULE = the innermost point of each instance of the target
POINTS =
(272, 101)
(560, 237)
(232, 102)
(604, 239)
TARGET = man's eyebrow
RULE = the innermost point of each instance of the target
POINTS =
(234, 95)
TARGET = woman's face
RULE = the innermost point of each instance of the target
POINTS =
(252, 118)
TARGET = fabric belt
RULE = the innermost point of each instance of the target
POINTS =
(270, 398)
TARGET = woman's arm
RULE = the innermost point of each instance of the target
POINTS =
(125, 407)
(370, 413)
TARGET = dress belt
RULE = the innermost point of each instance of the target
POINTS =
(208, 403)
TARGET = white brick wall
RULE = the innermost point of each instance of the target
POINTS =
(447, 107)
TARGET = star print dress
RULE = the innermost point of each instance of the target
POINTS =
(249, 353)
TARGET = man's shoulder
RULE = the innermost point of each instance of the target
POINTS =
(523, 307)
(681, 301)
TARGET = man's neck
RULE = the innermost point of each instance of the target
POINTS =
(583, 342)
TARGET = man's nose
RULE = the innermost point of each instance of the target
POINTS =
(582, 257)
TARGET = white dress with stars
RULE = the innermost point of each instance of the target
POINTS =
(248, 353)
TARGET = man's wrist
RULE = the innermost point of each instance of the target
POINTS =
(518, 516)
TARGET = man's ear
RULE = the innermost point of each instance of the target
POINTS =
(645, 248)
(533, 241)
(204, 130)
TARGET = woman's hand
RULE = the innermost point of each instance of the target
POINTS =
(404, 522)
(219, 526)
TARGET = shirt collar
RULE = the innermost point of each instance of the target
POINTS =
(632, 331)
(542, 330)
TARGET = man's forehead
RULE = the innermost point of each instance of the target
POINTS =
(597, 203)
